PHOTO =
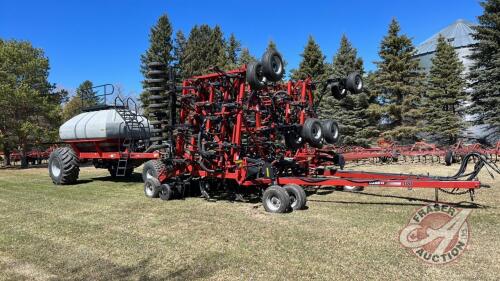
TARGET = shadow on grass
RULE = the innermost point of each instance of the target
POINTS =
(134, 178)
(202, 267)
(423, 201)
(18, 167)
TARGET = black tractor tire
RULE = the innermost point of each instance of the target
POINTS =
(337, 91)
(166, 193)
(254, 75)
(312, 132)
(152, 169)
(354, 83)
(330, 131)
(64, 166)
(276, 199)
(272, 65)
(152, 188)
(298, 198)
(448, 158)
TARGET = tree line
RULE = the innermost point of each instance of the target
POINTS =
(400, 102)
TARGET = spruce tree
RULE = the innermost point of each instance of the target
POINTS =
(233, 51)
(246, 57)
(160, 50)
(271, 45)
(485, 71)
(313, 62)
(217, 56)
(356, 128)
(179, 47)
(445, 94)
(398, 84)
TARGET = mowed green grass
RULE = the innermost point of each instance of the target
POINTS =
(100, 229)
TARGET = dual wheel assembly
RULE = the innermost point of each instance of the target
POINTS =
(314, 131)
(281, 199)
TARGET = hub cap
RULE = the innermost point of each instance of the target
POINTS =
(55, 167)
(274, 203)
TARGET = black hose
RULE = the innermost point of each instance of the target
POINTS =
(205, 168)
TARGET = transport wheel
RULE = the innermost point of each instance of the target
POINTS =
(152, 169)
(272, 65)
(311, 132)
(276, 199)
(354, 83)
(166, 192)
(63, 166)
(297, 195)
(152, 188)
(254, 75)
(330, 131)
(448, 158)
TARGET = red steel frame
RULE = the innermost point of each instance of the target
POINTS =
(231, 166)
(108, 155)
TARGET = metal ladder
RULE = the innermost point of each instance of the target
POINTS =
(134, 130)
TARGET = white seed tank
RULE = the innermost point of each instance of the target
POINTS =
(102, 124)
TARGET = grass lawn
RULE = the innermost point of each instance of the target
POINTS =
(106, 230)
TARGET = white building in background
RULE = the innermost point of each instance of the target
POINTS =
(458, 35)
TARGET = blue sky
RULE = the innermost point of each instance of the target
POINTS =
(102, 40)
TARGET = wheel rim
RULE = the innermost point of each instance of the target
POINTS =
(55, 167)
(316, 130)
(273, 203)
(335, 132)
(276, 65)
(359, 83)
(149, 190)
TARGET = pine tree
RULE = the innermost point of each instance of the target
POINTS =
(199, 55)
(398, 84)
(271, 45)
(444, 95)
(217, 45)
(246, 57)
(84, 97)
(356, 127)
(179, 47)
(313, 62)
(485, 72)
(233, 51)
(160, 50)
